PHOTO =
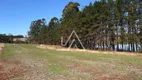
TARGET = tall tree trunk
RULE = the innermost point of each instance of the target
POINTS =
(122, 46)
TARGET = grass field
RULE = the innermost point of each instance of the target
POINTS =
(27, 62)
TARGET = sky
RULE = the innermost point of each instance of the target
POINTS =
(17, 15)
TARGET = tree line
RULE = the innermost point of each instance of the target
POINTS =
(4, 38)
(102, 25)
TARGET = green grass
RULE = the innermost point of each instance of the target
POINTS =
(82, 63)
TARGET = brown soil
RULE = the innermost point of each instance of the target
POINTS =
(9, 69)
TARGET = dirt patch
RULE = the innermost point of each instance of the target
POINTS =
(98, 70)
(98, 75)
(11, 69)
(35, 68)
(115, 77)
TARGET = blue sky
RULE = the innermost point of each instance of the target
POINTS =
(16, 15)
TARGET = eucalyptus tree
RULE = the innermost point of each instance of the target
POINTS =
(68, 19)
(54, 31)
(36, 29)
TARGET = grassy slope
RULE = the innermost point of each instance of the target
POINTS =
(78, 65)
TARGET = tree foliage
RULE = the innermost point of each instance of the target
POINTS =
(103, 25)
